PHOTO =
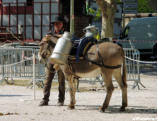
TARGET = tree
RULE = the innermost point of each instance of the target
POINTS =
(144, 6)
(108, 8)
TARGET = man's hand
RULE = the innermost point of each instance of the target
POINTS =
(58, 35)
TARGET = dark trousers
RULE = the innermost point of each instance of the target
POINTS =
(50, 72)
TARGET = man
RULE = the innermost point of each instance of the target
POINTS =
(58, 26)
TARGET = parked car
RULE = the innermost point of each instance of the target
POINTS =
(141, 34)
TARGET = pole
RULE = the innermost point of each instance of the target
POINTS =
(72, 16)
(34, 90)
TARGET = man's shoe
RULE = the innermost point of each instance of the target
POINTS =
(60, 103)
(43, 103)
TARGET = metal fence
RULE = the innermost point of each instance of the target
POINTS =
(17, 63)
(133, 66)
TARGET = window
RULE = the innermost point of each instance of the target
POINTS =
(29, 2)
(124, 34)
(0, 2)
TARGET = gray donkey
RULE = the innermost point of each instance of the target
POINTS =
(104, 58)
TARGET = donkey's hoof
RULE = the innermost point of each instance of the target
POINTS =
(60, 103)
(71, 107)
(102, 110)
(122, 109)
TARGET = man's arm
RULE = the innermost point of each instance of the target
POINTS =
(58, 35)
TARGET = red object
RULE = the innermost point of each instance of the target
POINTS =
(16, 10)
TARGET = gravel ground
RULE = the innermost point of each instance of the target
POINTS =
(17, 104)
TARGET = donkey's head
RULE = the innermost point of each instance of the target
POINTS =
(46, 48)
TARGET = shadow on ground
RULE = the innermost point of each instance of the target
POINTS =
(7, 95)
(116, 109)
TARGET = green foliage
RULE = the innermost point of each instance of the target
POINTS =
(143, 6)
(92, 11)
(95, 13)
(118, 1)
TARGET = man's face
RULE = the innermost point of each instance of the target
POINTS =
(58, 26)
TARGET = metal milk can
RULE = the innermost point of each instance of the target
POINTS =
(62, 49)
(90, 31)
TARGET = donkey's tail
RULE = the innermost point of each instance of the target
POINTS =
(124, 74)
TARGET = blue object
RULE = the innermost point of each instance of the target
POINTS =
(84, 43)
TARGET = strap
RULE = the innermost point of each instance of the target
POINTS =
(103, 65)
(101, 62)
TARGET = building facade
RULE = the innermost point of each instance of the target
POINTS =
(31, 18)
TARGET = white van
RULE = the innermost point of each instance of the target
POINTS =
(141, 33)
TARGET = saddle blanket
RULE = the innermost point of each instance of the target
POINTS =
(81, 46)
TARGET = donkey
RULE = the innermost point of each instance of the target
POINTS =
(104, 58)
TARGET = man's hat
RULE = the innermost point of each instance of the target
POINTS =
(58, 19)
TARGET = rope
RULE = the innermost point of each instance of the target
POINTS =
(145, 62)
(17, 62)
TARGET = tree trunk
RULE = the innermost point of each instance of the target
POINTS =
(108, 8)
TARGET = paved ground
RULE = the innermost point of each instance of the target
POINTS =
(17, 104)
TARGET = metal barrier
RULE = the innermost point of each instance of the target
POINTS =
(133, 67)
(17, 63)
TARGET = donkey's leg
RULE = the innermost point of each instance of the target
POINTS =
(61, 88)
(123, 86)
(107, 77)
(72, 90)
